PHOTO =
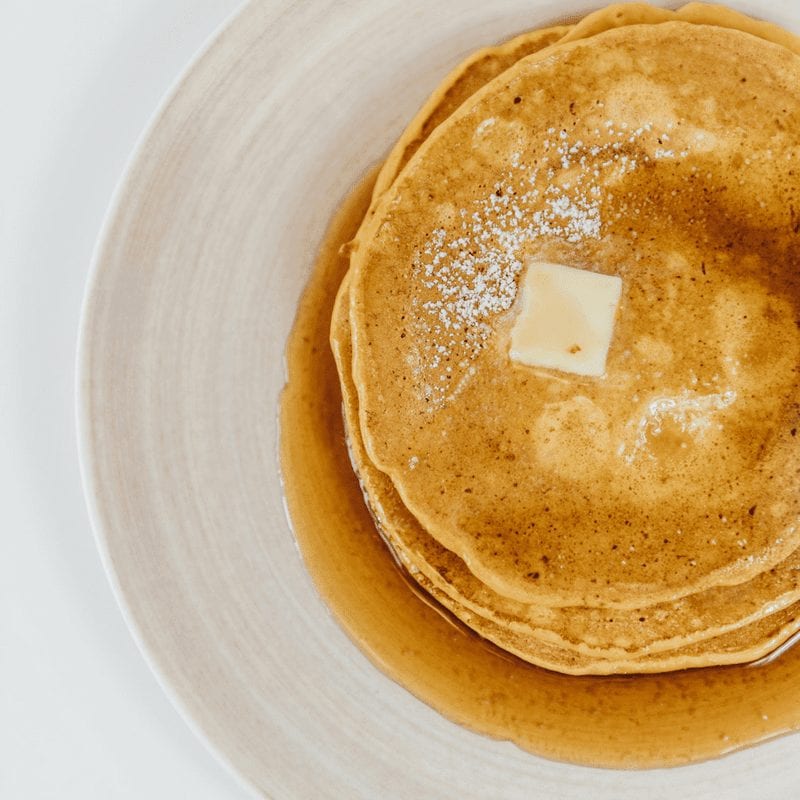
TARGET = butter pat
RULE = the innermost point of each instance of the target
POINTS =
(566, 319)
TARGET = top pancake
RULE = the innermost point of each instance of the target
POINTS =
(623, 490)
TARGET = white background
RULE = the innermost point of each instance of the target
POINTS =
(81, 716)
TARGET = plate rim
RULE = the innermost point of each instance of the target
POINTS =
(82, 380)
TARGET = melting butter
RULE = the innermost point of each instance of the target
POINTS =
(566, 319)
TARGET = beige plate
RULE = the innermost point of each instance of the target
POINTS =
(203, 258)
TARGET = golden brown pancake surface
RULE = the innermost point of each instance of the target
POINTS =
(500, 417)
(606, 633)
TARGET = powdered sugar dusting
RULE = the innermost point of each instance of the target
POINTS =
(469, 271)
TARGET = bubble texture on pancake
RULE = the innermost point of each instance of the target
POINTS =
(682, 229)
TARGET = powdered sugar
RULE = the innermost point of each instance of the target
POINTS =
(691, 412)
(468, 271)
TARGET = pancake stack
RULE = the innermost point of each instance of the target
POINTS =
(648, 519)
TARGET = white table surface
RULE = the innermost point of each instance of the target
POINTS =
(81, 715)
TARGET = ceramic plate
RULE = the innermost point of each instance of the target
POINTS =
(205, 253)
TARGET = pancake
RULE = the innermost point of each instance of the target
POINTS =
(657, 628)
(566, 583)
(593, 631)
(586, 626)
(743, 645)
